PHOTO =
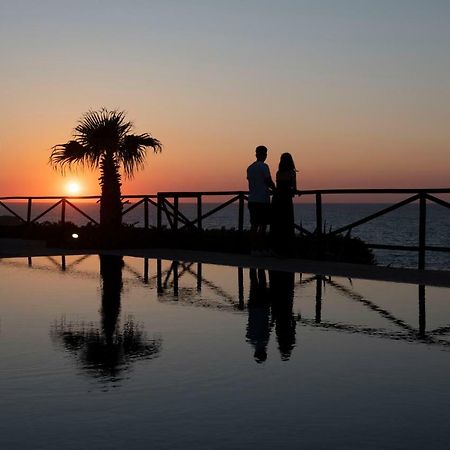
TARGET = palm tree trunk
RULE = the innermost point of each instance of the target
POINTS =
(111, 273)
(110, 201)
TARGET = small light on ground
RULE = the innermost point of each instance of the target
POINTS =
(75, 235)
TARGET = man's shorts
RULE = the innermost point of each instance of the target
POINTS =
(259, 213)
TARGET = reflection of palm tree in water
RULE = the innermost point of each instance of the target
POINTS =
(258, 327)
(282, 298)
(111, 274)
(105, 353)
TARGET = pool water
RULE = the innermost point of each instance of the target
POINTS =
(111, 352)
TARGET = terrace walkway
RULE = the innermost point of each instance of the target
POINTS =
(21, 248)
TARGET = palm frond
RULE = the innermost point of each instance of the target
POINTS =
(133, 150)
(103, 130)
(63, 156)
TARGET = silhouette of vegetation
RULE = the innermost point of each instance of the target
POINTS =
(342, 248)
(103, 140)
(9, 221)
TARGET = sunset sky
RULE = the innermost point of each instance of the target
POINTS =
(357, 90)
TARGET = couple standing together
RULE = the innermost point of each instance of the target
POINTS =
(280, 213)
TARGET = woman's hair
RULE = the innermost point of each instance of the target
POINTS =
(286, 163)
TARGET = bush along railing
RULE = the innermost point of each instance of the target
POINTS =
(167, 206)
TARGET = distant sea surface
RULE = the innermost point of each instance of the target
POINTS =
(399, 227)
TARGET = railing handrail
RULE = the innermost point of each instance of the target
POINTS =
(51, 197)
(197, 193)
(375, 191)
(237, 192)
(74, 197)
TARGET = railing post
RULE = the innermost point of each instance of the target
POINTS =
(319, 230)
(160, 289)
(175, 278)
(146, 270)
(422, 311)
(29, 211)
(319, 214)
(241, 287)
(199, 277)
(422, 229)
(159, 212)
(146, 213)
(241, 213)
(318, 298)
(175, 211)
(63, 211)
(199, 212)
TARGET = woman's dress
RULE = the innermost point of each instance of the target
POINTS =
(282, 231)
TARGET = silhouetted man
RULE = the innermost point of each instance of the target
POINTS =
(258, 326)
(259, 185)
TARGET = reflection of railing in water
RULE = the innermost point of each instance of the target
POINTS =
(168, 279)
(412, 334)
(168, 204)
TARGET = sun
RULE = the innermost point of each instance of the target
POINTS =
(73, 187)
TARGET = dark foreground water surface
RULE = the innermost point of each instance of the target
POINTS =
(111, 353)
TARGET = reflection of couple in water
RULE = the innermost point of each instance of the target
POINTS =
(271, 307)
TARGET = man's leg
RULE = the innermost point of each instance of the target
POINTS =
(265, 218)
(254, 227)
(255, 238)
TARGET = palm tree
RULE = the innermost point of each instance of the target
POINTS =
(102, 140)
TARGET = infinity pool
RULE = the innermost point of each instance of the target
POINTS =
(111, 352)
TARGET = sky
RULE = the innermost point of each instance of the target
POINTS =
(358, 91)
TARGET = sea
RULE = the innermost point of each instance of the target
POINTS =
(399, 227)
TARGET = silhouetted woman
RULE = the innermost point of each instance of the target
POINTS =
(282, 225)
(282, 301)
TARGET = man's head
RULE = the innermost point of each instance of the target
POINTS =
(261, 152)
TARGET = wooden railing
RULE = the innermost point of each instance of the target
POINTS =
(177, 220)
(67, 201)
(421, 195)
(63, 201)
(167, 204)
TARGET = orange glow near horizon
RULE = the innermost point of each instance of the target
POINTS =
(194, 167)
(73, 187)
